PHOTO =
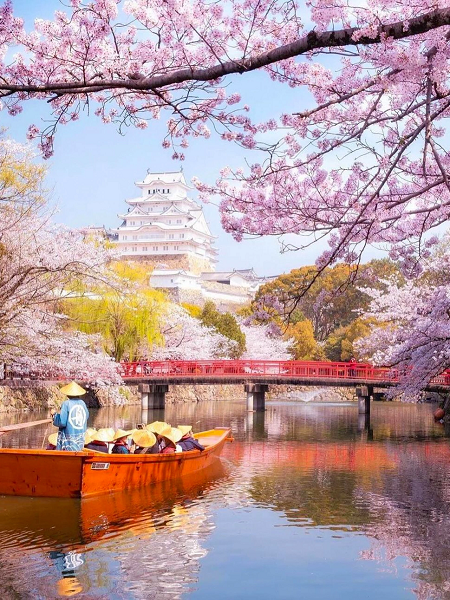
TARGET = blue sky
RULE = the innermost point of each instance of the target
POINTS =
(94, 167)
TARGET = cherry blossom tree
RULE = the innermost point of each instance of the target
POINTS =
(412, 331)
(265, 342)
(40, 347)
(40, 263)
(362, 160)
(185, 338)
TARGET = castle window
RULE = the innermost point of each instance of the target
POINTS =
(135, 237)
(165, 248)
(134, 249)
(125, 237)
(171, 236)
(176, 247)
(178, 220)
(144, 248)
(155, 248)
(181, 236)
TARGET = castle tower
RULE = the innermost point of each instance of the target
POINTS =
(163, 226)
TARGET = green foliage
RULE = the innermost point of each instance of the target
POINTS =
(321, 313)
(304, 346)
(245, 311)
(193, 309)
(329, 301)
(126, 317)
(224, 323)
(340, 344)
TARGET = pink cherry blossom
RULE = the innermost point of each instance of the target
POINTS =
(361, 161)
(185, 338)
(413, 334)
(41, 263)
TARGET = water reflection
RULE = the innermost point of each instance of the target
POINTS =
(101, 545)
(304, 489)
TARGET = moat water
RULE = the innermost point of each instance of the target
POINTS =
(306, 503)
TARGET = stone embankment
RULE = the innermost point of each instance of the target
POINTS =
(36, 396)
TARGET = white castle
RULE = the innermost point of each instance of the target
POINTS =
(168, 230)
(164, 223)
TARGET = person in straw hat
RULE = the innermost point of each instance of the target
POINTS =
(146, 442)
(172, 437)
(158, 428)
(188, 441)
(72, 419)
(120, 442)
(99, 440)
(52, 441)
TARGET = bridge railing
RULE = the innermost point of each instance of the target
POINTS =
(260, 368)
(204, 369)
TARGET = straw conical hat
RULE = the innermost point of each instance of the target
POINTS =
(158, 427)
(185, 429)
(174, 435)
(144, 438)
(88, 437)
(120, 433)
(53, 439)
(104, 435)
(109, 430)
(73, 389)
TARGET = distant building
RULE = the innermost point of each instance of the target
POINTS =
(225, 288)
(166, 229)
(164, 225)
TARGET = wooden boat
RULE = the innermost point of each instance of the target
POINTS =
(52, 473)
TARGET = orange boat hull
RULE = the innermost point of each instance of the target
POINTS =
(82, 474)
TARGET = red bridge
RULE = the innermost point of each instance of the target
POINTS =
(256, 375)
(268, 371)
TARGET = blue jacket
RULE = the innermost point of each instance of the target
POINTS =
(72, 423)
(190, 444)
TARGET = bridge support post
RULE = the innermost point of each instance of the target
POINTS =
(256, 396)
(363, 393)
(153, 395)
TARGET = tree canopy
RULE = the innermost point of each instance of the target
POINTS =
(40, 264)
(126, 315)
(225, 324)
(362, 161)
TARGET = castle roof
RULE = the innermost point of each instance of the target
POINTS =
(165, 177)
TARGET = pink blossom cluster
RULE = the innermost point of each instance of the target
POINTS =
(413, 331)
(262, 343)
(41, 263)
(362, 160)
(185, 338)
